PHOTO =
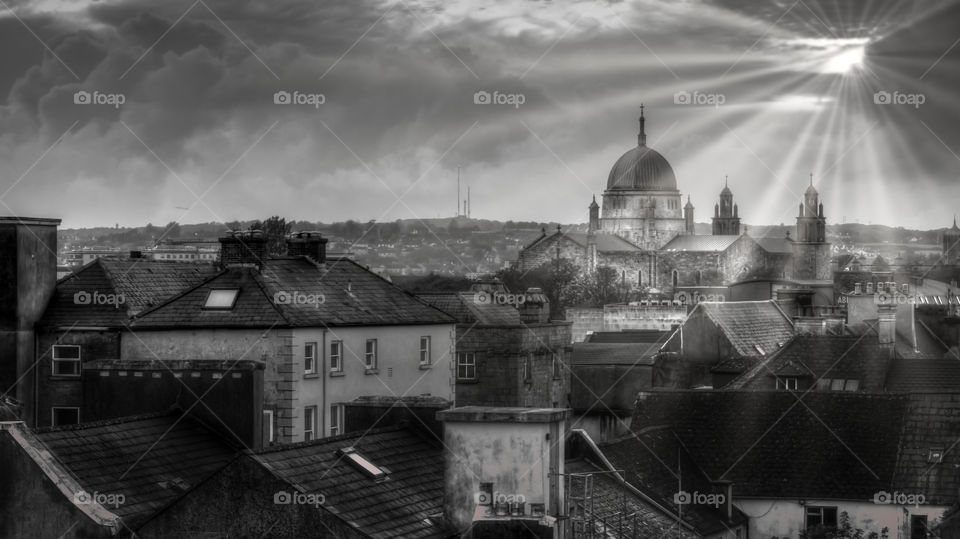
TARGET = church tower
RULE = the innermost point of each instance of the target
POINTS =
(811, 252)
(726, 218)
(951, 245)
(688, 217)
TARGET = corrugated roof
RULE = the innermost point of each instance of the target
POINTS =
(700, 243)
(590, 353)
(750, 324)
(343, 294)
(151, 460)
(398, 507)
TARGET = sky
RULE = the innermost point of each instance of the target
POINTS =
(128, 112)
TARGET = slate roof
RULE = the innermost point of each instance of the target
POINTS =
(611, 498)
(932, 423)
(464, 307)
(655, 462)
(775, 245)
(908, 375)
(590, 353)
(606, 243)
(833, 445)
(144, 283)
(821, 357)
(700, 243)
(141, 457)
(351, 296)
(401, 506)
(748, 324)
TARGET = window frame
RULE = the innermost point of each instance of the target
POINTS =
(55, 361)
(368, 355)
(556, 370)
(271, 438)
(783, 383)
(336, 360)
(822, 509)
(309, 434)
(53, 415)
(336, 419)
(426, 351)
(233, 302)
(467, 366)
(308, 360)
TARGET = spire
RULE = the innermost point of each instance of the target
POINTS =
(642, 136)
(726, 183)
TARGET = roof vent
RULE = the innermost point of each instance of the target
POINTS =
(362, 464)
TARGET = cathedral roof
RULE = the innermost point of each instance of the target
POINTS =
(700, 243)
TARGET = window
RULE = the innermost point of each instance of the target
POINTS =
(309, 423)
(837, 384)
(371, 355)
(675, 277)
(336, 356)
(425, 350)
(309, 358)
(66, 360)
(821, 516)
(787, 383)
(466, 366)
(824, 384)
(640, 278)
(556, 367)
(935, 456)
(221, 298)
(62, 415)
(526, 367)
(918, 527)
(852, 385)
(336, 419)
(267, 427)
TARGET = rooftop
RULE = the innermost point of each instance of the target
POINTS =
(754, 328)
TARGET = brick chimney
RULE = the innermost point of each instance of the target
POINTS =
(247, 247)
(309, 244)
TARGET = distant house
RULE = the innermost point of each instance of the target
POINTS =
(508, 352)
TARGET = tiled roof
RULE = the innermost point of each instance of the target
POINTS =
(700, 243)
(343, 292)
(909, 375)
(628, 336)
(749, 324)
(613, 500)
(589, 353)
(142, 282)
(401, 506)
(932, 423)
(821, 357)
(834, 445)
(463, 307)
(655, 462)
(143, 458)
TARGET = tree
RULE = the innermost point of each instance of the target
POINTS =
(554, 279)
(275, 229)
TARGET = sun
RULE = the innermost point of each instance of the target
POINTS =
(847, 60)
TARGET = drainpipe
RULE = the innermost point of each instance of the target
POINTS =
(323, 381)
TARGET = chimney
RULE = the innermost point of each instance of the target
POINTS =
(28, 279)
(247, 247)
(504, 469)
(887, 326)
(309, 244)
(535, 308)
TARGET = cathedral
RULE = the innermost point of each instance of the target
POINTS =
(646, 233)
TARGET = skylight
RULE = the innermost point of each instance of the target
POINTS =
(221, 298)
(362, 464)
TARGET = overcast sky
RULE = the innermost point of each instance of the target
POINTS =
(187, 127)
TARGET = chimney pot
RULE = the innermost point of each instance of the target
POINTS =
(310, 244)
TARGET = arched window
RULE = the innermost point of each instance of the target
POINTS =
(640, 278)
(699, 277)
(675, 277)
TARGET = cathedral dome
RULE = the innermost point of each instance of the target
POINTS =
(642, 168)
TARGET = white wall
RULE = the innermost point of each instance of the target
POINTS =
(786, 518)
